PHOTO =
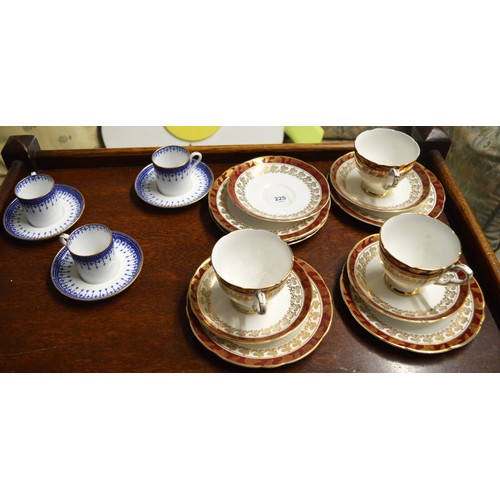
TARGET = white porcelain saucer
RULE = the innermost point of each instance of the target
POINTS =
(412, 189)
(278, 188)
(16, 224)
(230, 217)
(147, 189)
(432, 206)
(440, 336)
(301, 342)
(366, 274)
(214, 310)
(67, 280)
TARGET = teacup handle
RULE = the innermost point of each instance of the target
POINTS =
(196, 157)
(394, 173)
(449, 275)
(261, 302)
(63, 238)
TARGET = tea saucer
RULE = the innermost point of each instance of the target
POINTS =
(428, 338)
(298, 344)
(214, 310)
(278, 188)
(16, 224)
(432, 206)
(147, 190)
(412, 189)
(366, 274)
(230, 217)
(67, 280)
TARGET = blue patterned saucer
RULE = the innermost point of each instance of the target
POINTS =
(67, 280)
(147, 190)
(16, 224)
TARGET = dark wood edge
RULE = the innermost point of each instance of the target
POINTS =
(121, 157)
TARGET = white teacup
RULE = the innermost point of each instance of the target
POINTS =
(173, 166)
(383, 156)
(92, 249)
(418, 250)
(39, 199)
(252, 266)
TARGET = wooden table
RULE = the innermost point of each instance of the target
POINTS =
(144, 328)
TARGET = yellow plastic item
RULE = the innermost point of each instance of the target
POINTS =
(305, 135)
(192, 134)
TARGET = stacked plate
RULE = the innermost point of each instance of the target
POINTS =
(419, 191)
(438, 319)
(296, 321)
(280, 194)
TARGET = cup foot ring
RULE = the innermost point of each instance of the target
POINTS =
(400, 292)
(376, 195)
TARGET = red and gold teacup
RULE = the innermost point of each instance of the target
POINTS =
(383, 156)
(251, 266)
(417, 251)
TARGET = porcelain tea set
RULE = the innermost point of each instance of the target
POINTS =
(405, 285)
(381, 178)
(252, 302)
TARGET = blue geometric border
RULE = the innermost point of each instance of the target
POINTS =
(66, 279)
(146, 189)
(16, 225)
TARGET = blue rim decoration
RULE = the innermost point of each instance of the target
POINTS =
(16, 224)
(67, 280)
(147, 190)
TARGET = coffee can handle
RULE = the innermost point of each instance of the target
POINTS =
(63, 238)
(195, 158)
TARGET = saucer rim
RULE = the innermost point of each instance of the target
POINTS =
(419, 169)
(290, 242)
(150, 166)
(193, 300)
(308, 348)
(350, 263)
(317, 222)
(466, 336)
(287, 160)
(117, 234)
(15, 202)
(435, 212)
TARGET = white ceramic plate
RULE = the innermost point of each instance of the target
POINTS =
(278, 188)
(298, 344)
(432, 206)
(411, 190)
(449, 333)
(230, 217)
(366, 274)
(214, 309)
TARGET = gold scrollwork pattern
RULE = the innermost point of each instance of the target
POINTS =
(449, 298)
(311, 183)
(453, 330)
(223, 202)
(416, 185)
(205, 303)
(280, 347)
